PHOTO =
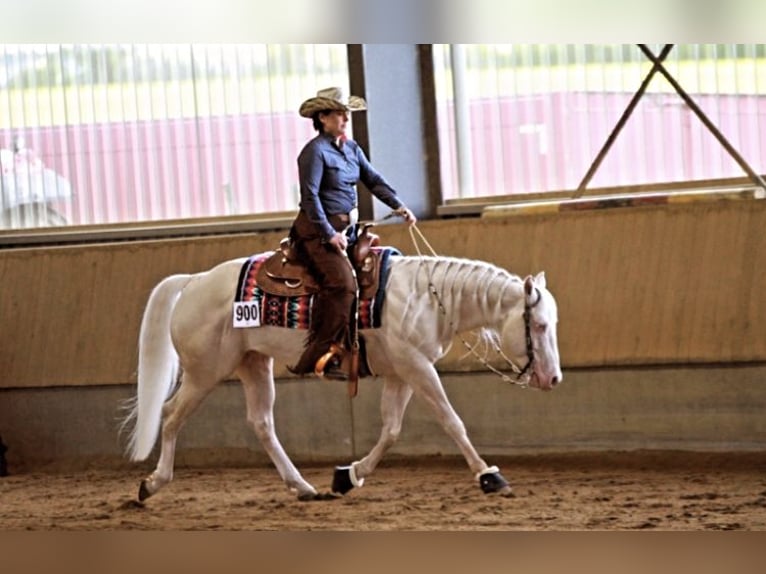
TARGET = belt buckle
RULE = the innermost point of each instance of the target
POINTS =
(353, 217)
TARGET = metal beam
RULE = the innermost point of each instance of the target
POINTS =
(757, 179)
(658, 66)
(621, 122)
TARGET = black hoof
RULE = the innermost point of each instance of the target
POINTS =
(493, 482)
(341, 480)
(143, 492)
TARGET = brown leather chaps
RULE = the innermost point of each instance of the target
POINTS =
(332, 306)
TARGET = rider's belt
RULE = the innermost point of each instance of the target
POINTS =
(341, 221)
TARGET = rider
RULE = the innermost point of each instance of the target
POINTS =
(329, 166)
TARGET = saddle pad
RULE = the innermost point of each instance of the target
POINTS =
(295, 312)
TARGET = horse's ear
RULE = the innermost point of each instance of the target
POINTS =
(530, 282)
(529, 285)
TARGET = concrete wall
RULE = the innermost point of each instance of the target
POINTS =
(711, 408)
(674, 285)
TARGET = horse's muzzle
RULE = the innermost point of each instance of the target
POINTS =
(545, 383)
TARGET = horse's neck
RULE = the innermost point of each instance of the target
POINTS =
(472, 294)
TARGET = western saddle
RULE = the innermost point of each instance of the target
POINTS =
(285, 275)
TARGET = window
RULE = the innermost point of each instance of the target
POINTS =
(524, 118)
(99, 134)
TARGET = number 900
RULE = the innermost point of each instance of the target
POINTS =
(247, 312)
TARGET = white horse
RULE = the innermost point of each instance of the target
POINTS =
(187, 328)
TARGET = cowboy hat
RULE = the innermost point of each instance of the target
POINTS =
(331, 99)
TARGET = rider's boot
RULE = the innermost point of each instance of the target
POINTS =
(329, 365)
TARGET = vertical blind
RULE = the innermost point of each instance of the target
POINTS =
(519, 118)
(93, 134)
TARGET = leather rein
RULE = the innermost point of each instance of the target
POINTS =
(521, 374)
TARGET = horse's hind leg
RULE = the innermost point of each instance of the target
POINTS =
(175, 412)
(394, 398)
(256, 374)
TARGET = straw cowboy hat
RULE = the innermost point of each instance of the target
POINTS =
(331, 99)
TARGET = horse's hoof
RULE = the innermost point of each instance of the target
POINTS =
(143, 492)
(341, 480)
(491, 481)
(345, 479)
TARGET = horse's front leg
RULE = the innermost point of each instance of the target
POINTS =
(393, 402)
(428, 386)
(256, 374)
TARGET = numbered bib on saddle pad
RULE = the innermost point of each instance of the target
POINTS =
(246, 314)
(254, 307)
(257, 306)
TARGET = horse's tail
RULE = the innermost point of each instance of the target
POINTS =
(157, 367)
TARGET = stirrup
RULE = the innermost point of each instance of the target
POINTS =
(324, 361)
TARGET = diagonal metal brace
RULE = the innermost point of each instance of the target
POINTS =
(622, 121)
(658, 66)
(757, 179)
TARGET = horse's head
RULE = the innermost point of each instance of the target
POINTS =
(529, 336)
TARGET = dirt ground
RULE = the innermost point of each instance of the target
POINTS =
(589, 491)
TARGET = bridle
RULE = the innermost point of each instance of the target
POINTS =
(527, 335)
(521, 374)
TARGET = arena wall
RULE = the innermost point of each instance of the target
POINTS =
(661, 335)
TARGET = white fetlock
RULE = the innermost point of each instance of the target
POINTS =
(488, 470)
(357, 482)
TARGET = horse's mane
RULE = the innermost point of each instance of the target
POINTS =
(455, 272)
(458, 280)
(457, 262)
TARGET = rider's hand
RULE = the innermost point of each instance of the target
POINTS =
(408, 216)
(339, 242)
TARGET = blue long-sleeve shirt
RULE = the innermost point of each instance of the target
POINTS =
(328, 177)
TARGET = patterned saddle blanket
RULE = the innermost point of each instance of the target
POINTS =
(254, 306)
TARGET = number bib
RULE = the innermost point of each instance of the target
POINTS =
(246, 314)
